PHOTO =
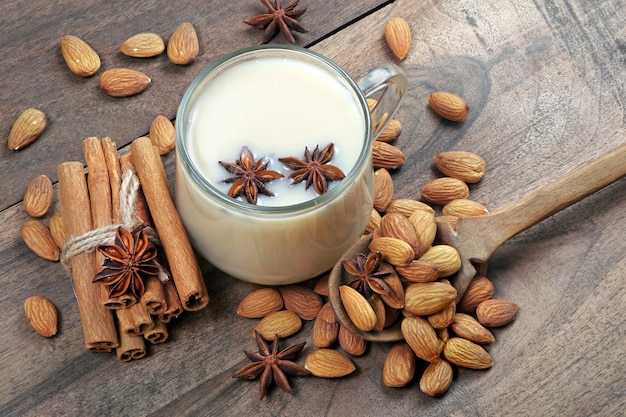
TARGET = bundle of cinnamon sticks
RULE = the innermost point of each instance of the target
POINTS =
(91, 201)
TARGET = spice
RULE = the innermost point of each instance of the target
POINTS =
(278, 19)
(367, 275)
(272, 365)
(250, 176)
(314, 168)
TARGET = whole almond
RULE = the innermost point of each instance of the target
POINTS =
(465, 166)
(467, 354)
(321, 286)
(325, 327)
(426, 229)
(391, 131)
(443, 190)
(496, 312)
(437, 378)
(425, 298)
(446, 258)
(123, 82)
(395, 297)
(26, 128)
(80, 58)
(421, 337)
(143, 45)
(302, 300)
(467, 327)
(41, 314)
(399, 367)
(449, 106)
(398, 226)
(260, 303)
(328, 363)
(358, 308)
(163, 134)
(398, 36)
(395, 251)
(464, 207)
(38, 196)
(385, 155)
(479, 290)
(38, 239)
(383, 189)
(443, 318)
(183, 46)
(374, 222)
(380, 308)
(352, 344)
(407, 206)
(57, 231)
(283, 323)
(418, 271)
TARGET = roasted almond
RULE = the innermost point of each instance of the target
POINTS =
(399, 367)
(443, 190)
(383, 189)
(467, 327)
(496, 312)
(467, 354)
(398, 37)
(183, 46)
(325, 327)
(123, 82)
(283, 323)
(352, 344)
(380, 308)
(398, 226)
(38, 239)
(80, 58)
(163, 134)
(302, 300)
(26, 128)
(321, 286)
(442, 318)
(407, 206)
(418, 271)
(463, 207)
(57, 230)
(41, 314)
(143, 45)
(385, 155)
(38, 196)
(437, 378)
(391, 131)
(421, 337)
(358, 308)
(395, 297)
(426, 229)
(465, 166)
(446, 258)
(328, 363)
(260, 303)
(449, 106)
(479, 290)
(395, 251)
(425, 298)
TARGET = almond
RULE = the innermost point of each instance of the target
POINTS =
(421, 337)
(283, 323)
(57, 230)
(407, 206)
(425, 298)
(183, 46)
(80, 58)
(325, 327)
(425, 227)
(465, 166)
(395, 251)
(437, 378)
(418, 271)
(143, 45)
(467, 327)
(302, 300)
(400, 365)
(321, 286)
(380, 308)
(391, 131)
(443, 190)
(373, 223)
(38, 239)
(123, 82)
(383, 189)
(443, 318)
(496, 313)
(479, 290)
(398, 37)
(260, 303)
(398, 226)
(467, 354)
(38, 196)
(41, 314)
(446, 258)
(385, 155)
(26, 128)
(163, 134)
(352, 344)
(463, 207)
(328, 363)
(358, 308)
(449, 106)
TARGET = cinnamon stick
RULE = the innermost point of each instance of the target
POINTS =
(153, 297)
(97, 321)
(131, 347)
(141, 207)
(181, 258)
(134, 320)
(158, 334)
(112, 160)
(174, 307)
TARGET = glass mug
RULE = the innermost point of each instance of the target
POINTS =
(276, 101)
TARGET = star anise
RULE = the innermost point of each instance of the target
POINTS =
(314, 168)
(272, 365)
(278, 19)
(126, 262)
(367, 274)
(250, 176)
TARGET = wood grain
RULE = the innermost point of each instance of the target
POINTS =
(545, 81)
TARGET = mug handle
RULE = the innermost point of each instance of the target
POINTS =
(393, 81)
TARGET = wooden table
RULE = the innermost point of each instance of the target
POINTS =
(546, 83)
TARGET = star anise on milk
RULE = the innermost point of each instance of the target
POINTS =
(314, 168)
(250, 176)
(126, 262)
(272, 366)
(277, 19)
(367, 274)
